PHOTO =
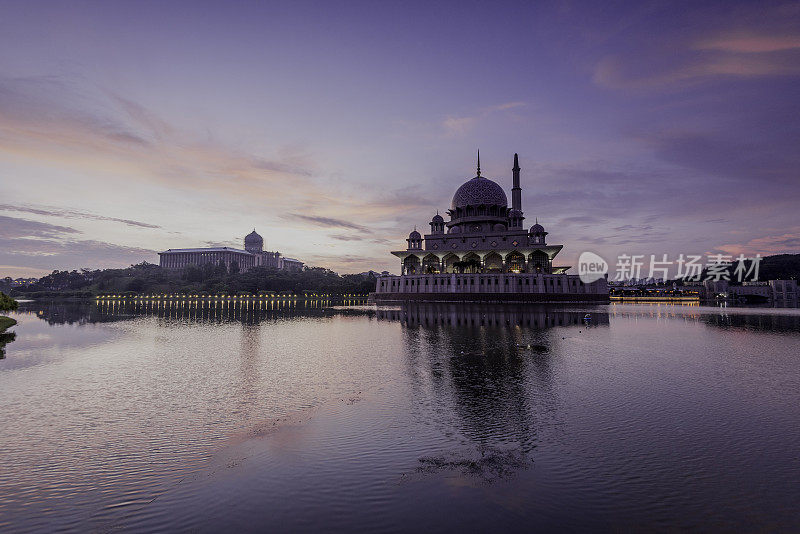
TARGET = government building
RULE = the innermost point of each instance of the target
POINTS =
(484, 253)
(253, 255)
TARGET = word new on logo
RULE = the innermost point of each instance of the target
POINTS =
(591, 267)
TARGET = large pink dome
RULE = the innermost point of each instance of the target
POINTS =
(479, 191)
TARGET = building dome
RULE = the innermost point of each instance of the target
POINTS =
(515, 214)
(537, 229)
(253, 238)
(437, 219)
(479, 191)
(414, 235)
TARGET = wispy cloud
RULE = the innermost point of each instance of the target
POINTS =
(750, 43)
(615, 73)
(15, 228)
(347, 237)
(328, 222)
(73, 214)
(457, 126)
(787, 242)
(41, 245)
(743, 42)
(49, 118)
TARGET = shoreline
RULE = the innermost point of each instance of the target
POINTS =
(6, 322)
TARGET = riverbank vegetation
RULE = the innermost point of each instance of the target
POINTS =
(146, 278)
(6, 322)
(7, 304)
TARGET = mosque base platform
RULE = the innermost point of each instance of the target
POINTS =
(539, 298)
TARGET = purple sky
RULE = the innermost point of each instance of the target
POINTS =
(646, 127)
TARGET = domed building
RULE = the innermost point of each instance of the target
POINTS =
(487, 237)
(253, 242)
(233, 259)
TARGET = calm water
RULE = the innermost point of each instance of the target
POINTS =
(434, 417)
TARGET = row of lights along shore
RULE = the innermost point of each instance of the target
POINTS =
(307, 296)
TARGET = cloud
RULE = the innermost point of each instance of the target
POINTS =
(329, 222)
(580, 220)
(13, 228)
(741, 42)
(108, 138)
(457, 126)
(750, 43)
(74, 214)
(362, 238)
(788, 242)
(770, 157)
(50, 119)
(37, 245)
(346, 237)
(616, 72)
(507, 105)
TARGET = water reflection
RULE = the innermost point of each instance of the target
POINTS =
(5, 338)
(756, 319)
(112, 411)
(487, 371)
(754, 322)
(534, 316)
(200, 310)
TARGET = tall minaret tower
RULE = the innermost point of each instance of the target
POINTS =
(516, 190)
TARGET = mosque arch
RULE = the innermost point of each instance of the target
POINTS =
(411, 264)
(471, 263)
(449, 262)
(515, 262)
(430, 264)
(493, 263)
(539, 261)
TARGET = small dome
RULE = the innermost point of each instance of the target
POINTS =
(414, 235)
(253, 237)
(437, 219)
(537, 229)
(515, 214)
(479, 191)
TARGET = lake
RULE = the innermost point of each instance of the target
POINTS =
(303, 417)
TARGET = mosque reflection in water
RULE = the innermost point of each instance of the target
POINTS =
(489, 369)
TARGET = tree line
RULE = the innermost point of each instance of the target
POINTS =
(146, 278)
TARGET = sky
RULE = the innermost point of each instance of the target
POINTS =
(333, 129)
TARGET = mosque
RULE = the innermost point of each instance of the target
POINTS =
(484, 252)
(253, 255)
